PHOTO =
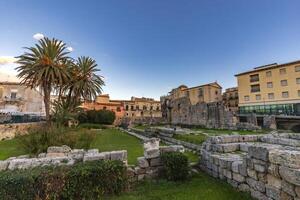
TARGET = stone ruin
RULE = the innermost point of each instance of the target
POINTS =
(149, 166)
(267, 166)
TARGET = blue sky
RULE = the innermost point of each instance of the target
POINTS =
(146, 48)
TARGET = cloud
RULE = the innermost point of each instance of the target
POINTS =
(38, 36)
(70, 49)
(7, 60)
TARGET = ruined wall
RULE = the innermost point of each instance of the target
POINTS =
(266, 166)
(211, 115)
(9, 131)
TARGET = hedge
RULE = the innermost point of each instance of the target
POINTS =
(175, 165)
(89, 180)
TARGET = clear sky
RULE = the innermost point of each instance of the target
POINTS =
(148, 47)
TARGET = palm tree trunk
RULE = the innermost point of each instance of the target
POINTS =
(47, 93)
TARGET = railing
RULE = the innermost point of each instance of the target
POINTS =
(11, 119)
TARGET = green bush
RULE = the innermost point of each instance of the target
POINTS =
(176, 166)
(39, 139)
(97, 117)
(89, 180)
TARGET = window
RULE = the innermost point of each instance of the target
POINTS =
(298, 93)
(268, 73)
(297, 68)
(269, 85)
(246, 98)
(216, 92)
(137, 107)
(285, 94)
(157, 108)
(271, 96)
(118, 109)
(127, 107)
(13, 95)
(298, 80)
(258, 97)
(255, 88)
(254, 78)
(104, 108)
(1, 92)
(144, 107)
(283, 82)
(282, 71)
(200, 92)
(131, 107)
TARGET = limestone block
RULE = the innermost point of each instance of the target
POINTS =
(152, 143)
(274, 170)
(235, 166)
(141, 177)
(288, 188)
(53, 155)
(42, 155)
(290, 175)
(118, 155)
(233, 183)
(237, 177)
(93, 156)
(258, 195)
(155, 162)
(273, 181)
(93, 151)
(57, 149)
(142, 162)
(3, 165)
(244, 147)
(227, 173)
(139, 170)
(256, 185)
(289, 158)
(259, 168)
(285, 196)
(258, 152)
(151, 153)
(297, 191)
(272, 192)
(215, 168)
(243, 169)
(251, 173)
(262, 177)
(244, 187)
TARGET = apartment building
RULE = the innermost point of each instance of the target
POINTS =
(270, 89)
(206, 93)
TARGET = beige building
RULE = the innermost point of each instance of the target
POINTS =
(231, 99)
(270, 89)
(142, 107)
(207, 93)
(16, 98)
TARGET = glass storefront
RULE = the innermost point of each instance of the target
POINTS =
(278, 109)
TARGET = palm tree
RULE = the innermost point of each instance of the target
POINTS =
(85, 83)
(45, 65)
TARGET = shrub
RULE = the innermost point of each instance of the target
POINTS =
(39, 139)
(97, 117)
(176, 166)
(89, 180)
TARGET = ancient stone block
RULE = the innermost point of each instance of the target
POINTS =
(3, 165)
(290, 175)
(289, 158)
(142, 162)
(285, 196)
(152, 143)
(244, 187)
(274, 170)
(118, 155)
(259, 168)
(139, 170)
(59, 149)
(237, 177)
(258, 152)
(251, 173)
(288, 188)
(272, 192)
(155, 162)
(151, 153)
(93, 156)
(256, 185)
(258, 195)
(297, 191)
(262, 177)
(235, 166)
(233, 183)
(273, 181)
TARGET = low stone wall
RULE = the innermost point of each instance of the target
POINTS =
(9, 131)
(267, 166)
(149, 166)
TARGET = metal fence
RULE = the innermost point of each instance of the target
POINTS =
(9, 119)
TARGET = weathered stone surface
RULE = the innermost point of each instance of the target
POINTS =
(288, 188)
(93, 156)
(118, 155)
(151, 153)
(273, 181)
(237, 177)
(297, 191)
(288, 158)
(251, 173)
(258, 152)
(152, 143)
(3, 165)
(274, 170)
(259, 168)
(142, 162)
(235, 166)
(257, 185)
(258, 195)
(285, 196)
(244, 187)
(272, 192)
(139, 170)
(262, 177)
(59, 149)
(233, 183)
(290, 175)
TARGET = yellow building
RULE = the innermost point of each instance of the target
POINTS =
(142, 107)
(207, 93)
(231, 99)
(270, 89)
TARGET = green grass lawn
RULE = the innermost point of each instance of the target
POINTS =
(10, 148)
(201, 186)
(192, 138)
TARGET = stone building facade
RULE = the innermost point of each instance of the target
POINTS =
(16, 98)
(231, 99)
